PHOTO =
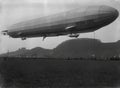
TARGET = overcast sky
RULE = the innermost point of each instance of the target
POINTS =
(13, 11)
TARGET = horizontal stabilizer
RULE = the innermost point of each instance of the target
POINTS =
(5, 32)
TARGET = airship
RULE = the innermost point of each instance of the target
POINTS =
(71, 22)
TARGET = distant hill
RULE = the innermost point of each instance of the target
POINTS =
(35, 52)
(39, 52)
(74, 48)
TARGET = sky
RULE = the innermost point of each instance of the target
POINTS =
(14, 11)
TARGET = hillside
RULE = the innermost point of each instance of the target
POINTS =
(74, 48)
(86, 48)
(35, 52)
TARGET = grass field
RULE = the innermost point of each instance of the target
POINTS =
(58, 73)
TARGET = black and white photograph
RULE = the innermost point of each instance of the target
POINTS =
(59, 44)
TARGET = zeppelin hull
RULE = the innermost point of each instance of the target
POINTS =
(72, 21)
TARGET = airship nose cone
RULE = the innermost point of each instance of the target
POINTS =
(115, 13)
(109, 13)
